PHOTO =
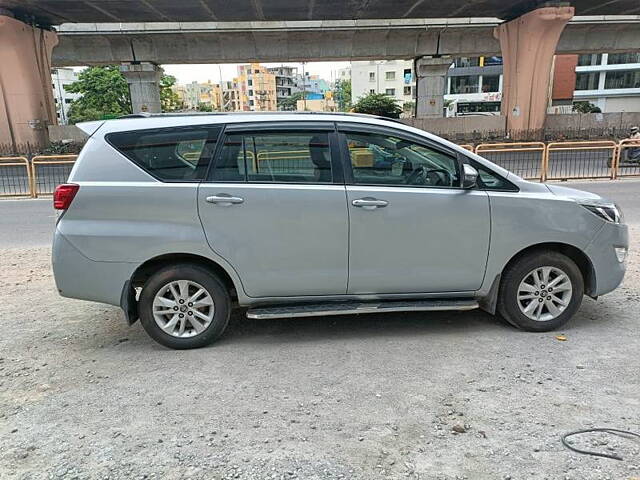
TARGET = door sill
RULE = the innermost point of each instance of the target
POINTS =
(357, 307)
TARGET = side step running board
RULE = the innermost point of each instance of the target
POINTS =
(350, 308)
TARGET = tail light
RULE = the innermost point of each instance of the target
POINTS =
(63, 195)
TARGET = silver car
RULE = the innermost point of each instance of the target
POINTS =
(176, 219)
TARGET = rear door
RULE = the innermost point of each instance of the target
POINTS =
(274, 207)
(412, 227)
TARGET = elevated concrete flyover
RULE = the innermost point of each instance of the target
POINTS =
(56, 12)
(237, 42)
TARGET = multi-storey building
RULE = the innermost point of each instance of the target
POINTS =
(257, 87)
(343, 74)
(230, 96)
(391, 77)
(474, 86)
(59, 78)
(285, 82)
(611, 82)
(194, 95)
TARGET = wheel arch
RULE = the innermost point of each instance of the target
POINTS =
(149, 267)
(574, 253)
(489, 302)
(129, 302)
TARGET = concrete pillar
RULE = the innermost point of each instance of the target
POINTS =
(431, 83)
(144, 86)
(528, 44)
(26, 95)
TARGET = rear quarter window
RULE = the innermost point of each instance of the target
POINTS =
(171, 154)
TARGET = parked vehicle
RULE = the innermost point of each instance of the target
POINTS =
(177, 218)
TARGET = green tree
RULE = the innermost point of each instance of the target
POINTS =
(378, 104)
(104, 93)
(168, 97)
(342, 94)
(205, 107)
(586, 107)
(290, 103)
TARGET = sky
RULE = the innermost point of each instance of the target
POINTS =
(201, 73)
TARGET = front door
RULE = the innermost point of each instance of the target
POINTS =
(413, 229)
(274, 208)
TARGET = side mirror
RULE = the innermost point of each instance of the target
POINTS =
(469, 176)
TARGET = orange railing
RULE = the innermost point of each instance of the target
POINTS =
(56, 171)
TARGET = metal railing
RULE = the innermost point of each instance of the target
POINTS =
(49, 171)
(572, 160)
(525, 159)
(15, 177)
(628, 159)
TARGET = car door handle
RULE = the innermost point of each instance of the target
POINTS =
(369, 203)
(224, 199)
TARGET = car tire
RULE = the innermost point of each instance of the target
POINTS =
(184, 306)
(524, 299)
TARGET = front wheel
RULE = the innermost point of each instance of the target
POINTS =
(184, 306)
(540, 291)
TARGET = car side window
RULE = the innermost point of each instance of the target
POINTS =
(379, 159)
(275, 157)
(171, 154)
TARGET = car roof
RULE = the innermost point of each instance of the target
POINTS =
(143, 121)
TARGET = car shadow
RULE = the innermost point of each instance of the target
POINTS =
(390, 325)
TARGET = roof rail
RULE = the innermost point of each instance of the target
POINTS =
(192, 114)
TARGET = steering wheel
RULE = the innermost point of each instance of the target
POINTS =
(420, 175)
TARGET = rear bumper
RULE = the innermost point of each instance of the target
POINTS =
(78, 277)
(609, 272)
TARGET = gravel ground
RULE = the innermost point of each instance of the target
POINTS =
(437, 396)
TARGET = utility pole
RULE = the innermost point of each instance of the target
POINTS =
(223, 107)
(63, 115)
(304, 87)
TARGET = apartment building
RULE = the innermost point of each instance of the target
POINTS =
(60, 77)
(286, 82)
(390, 77)
(343, 74)
(194, 95)
(611, 82)
(257, 88)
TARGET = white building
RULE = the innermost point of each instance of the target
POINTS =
(343, 74)
(474, 84)
(59, 78)
(609, 81)
(391, 77)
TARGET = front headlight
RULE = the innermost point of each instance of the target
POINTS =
(609, 212)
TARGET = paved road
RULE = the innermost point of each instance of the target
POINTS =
(26, 222)
(31, 222)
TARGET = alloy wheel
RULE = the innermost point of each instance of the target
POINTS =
(183, 308)
(544, 293)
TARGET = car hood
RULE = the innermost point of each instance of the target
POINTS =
(579, 195)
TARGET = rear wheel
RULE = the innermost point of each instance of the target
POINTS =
(540, 291)
(184, 306)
